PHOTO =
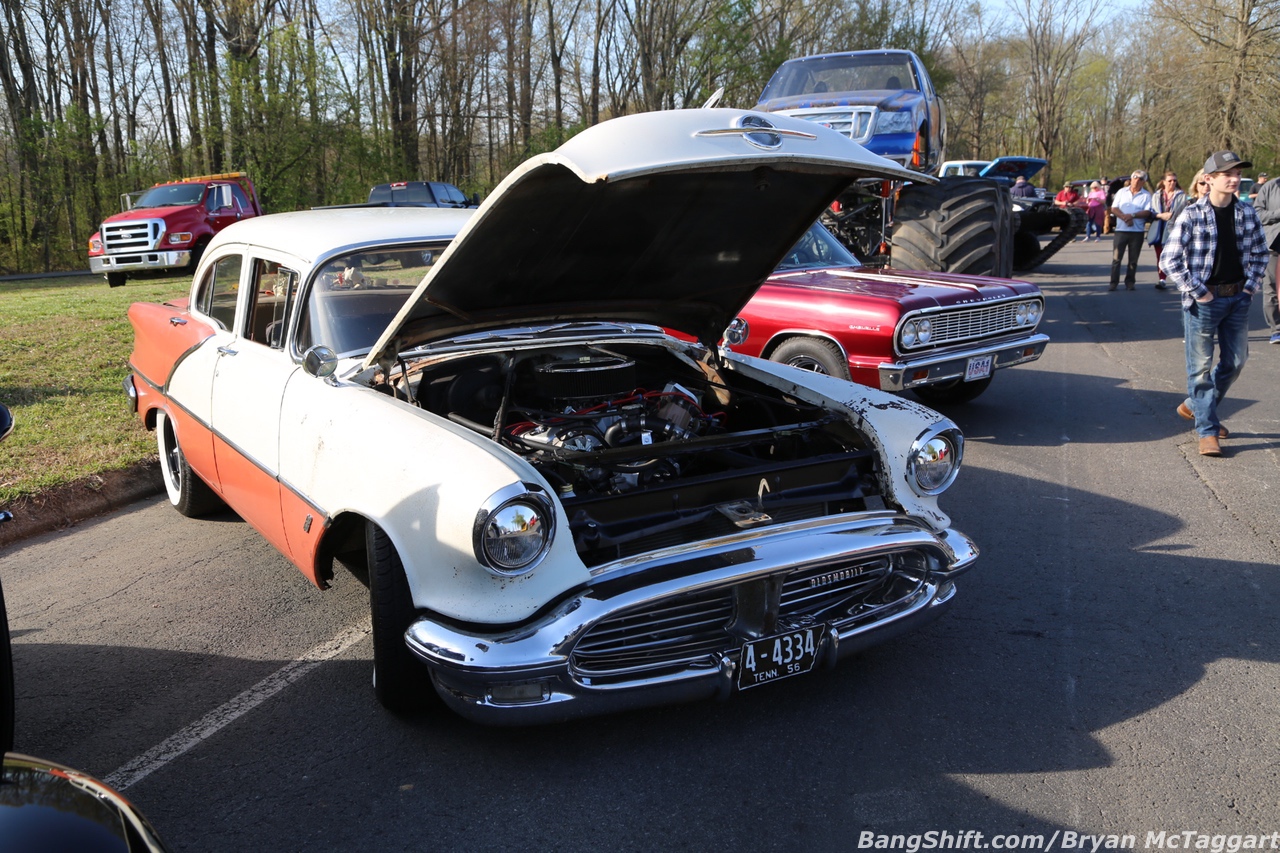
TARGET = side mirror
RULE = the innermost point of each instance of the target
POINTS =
(320, 361)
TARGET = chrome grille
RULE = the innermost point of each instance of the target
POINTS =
(681, 630)
(854, 123)
(690, 629)
(135, 235)
(967, 324)
(832, 594)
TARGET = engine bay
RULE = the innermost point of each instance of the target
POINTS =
(642, 443)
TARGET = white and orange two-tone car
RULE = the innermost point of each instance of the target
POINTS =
(562, 507)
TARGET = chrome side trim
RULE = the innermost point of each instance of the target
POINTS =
(275, 475)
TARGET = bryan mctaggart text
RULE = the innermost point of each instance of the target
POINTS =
(972, 839)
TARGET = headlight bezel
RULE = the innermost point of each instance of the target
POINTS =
(925, 451)
(493, 512)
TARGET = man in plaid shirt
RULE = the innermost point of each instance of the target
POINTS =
(1216, 255)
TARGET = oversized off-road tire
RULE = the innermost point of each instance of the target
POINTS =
(816, 354)
(400, 681)
(959, 225)
(956, 391)
(189, 495)
(115, 279)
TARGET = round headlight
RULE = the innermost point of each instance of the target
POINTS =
(925, 331)
(1021, 313)
(1033, 313)
(909, 334)
(513, 537)
(935, 461)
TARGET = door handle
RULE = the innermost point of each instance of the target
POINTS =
(177, 321)
(226, 351)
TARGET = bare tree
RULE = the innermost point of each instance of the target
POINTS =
(1050, 47)
(1233, 47)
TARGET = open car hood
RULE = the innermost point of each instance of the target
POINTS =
(669, 218)
(1008, 169)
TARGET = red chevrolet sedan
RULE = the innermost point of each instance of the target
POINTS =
(938, 335)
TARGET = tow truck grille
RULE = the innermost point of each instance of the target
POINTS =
(137, 235)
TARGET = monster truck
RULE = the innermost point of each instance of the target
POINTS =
(885, 100)
(1033, 217)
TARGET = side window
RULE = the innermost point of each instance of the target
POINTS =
(241, 199)
(274, 290)
(218, 293)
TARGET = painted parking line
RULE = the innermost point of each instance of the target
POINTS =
(208, 725)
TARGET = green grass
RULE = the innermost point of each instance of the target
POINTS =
(64, 353)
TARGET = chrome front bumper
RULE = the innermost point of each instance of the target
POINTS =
(133, 261)
(527, 674)
(935, 367)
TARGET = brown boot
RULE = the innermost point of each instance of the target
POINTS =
(1209, 446)
(1185, 412)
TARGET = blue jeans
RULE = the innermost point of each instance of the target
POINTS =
(1226, 320)
(1092, 229)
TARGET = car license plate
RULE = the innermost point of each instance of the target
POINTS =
(771, 658)
(979, 367)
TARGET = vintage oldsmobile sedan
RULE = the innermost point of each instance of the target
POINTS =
(560, 507)
(940, 336)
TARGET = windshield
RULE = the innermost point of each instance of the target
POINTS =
(841, 74)
(815, 250)
(353, 297)
(173, 194)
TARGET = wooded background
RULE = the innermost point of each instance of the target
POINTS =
(320, 99)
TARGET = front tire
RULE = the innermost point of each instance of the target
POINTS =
(814, 354)
(189, 495)
(115, 279)
(959, 225)
(955, 391)
(400, 681)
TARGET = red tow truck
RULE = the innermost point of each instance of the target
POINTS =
(168, 226)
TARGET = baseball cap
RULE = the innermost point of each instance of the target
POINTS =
(1220, 161)
(1263, 175)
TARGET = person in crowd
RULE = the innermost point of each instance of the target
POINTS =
(1022, 188)
(1260, 180)
(1266, 201)
(1113, 186)
(1132, 209)
(1096, 210)
(1216, 256)
(1068, 196)
(1167, 202)
(1199, 186)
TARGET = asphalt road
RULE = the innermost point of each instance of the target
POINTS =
(1111, 666)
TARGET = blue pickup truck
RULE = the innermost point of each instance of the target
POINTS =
(882, 99)
(885, 101)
